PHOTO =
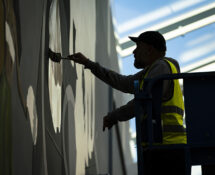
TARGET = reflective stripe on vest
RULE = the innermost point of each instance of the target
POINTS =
(172, 112)
(172, 109)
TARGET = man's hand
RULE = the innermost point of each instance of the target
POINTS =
(108, 122)
(78, 58)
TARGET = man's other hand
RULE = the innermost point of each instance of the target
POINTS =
(108, 122)
(78, 58)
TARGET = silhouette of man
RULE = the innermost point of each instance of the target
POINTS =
(149, 56)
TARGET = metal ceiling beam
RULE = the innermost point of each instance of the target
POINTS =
(173, 28)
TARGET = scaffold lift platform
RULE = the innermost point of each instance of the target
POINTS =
(199, 99)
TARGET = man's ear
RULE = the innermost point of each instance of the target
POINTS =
(150, 49)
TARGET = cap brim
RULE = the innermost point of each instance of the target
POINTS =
(135, 39)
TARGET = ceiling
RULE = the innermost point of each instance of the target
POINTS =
(187, 25)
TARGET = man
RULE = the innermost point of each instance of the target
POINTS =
(150, 56)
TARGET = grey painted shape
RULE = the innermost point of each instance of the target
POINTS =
(91, 169)
(68, 129)
(68, 100)
(83, 86)
(64, 20)
(21, 136)
(116, 159)
(110, 134)
(74, 37)
(54, 160)
(38, 148)
(69, 76)
(101, 89)
(30, 21)
(31, 15)
(67, 13)
(106, 56)
(44, 61)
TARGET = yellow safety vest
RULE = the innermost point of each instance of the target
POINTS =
(172, 113)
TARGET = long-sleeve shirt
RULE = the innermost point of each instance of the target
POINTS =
(126, 83)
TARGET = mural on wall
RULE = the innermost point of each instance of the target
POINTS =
(51, 113)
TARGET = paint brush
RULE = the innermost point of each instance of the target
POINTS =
(56, 57)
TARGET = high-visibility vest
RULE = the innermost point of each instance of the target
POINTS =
(172, 113)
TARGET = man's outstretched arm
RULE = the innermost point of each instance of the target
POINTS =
(117, 81)
(122, 113)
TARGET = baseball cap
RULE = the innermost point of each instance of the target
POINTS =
(153, 38)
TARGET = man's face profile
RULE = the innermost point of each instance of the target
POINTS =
(141, 55)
